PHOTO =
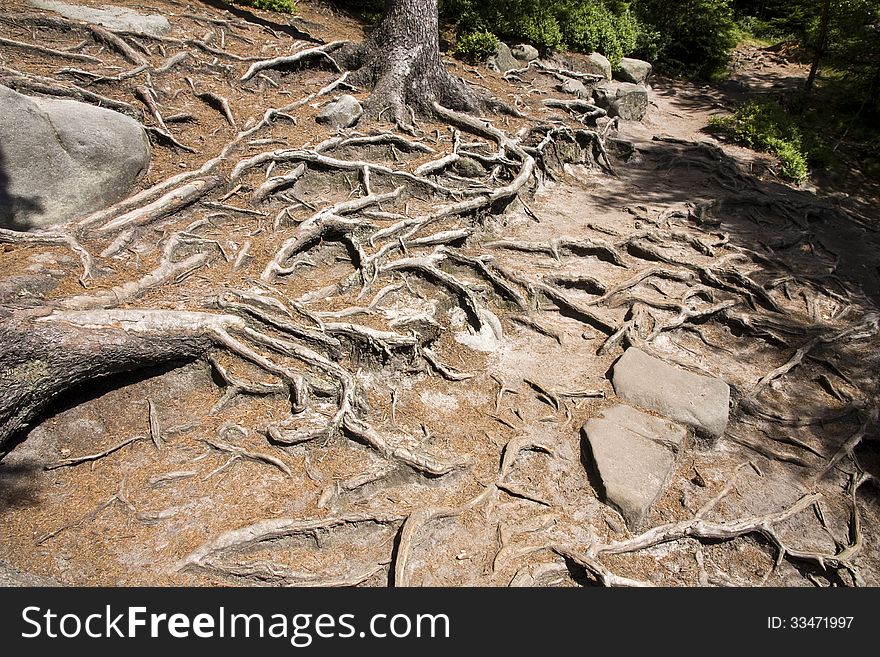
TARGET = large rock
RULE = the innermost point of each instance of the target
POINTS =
(604, 94)
(633, 70)
(116, 18)
(502, 60)
(597, 64)
(633, 455)
(524, 52)
(626, 100)
(60, 159)
(700, 401)
(344, 113)
(630, 102)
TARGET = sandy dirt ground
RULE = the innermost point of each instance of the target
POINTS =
(579, 268)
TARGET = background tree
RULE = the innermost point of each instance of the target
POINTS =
(400, 61)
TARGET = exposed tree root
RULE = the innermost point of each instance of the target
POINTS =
(412, 226)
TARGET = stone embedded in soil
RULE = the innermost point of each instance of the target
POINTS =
(524, 52)
(61, 159)
(502, 60)
(116, 18)
(468, 167)
(631, 102)
(633, 70)
(344, 113)
(633, 455)
(694, 399)
(575, 87)
(597, 64)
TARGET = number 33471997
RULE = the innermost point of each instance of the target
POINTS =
(810, 622)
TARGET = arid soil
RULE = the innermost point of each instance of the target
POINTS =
(476, 344)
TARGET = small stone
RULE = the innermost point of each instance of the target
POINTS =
(633, 455)
(524, 52)
(694, 399)
(468, 167)
(344, 113)
(633, 70)
(575, 88)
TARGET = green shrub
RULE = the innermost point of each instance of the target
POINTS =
(281, 6)
(475, 47)
(592, 26)
(792, 163)
(766, 126)
(690, 37)
(606, 26)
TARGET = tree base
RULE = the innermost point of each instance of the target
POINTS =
(400, 61)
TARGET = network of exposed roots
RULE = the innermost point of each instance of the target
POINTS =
(336, 274)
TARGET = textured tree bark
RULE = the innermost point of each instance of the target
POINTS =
(400, 60)
(45, 352)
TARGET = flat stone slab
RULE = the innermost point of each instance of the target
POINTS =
(116, 18)
(700, 401)
(633, 454)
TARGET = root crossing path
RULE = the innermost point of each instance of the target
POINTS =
(365, 357)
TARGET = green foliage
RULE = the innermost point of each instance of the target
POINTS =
(606, 26)
(767, 126)
(591, 27)
(475, 47)
(281, 6)
(690, 37)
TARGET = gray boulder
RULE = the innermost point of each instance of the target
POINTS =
(633, 70)
(524, 52)
(700, 401)
(575, 88)
(60, 159)
(604, 94)
(623, 99)
(116, 18)
(633, 455)
(503, 60)
(597, 64)
(630, 102)
(344, 113)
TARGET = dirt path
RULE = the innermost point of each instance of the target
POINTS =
(691, 251)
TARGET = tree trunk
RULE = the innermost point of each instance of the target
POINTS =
(820, 47)
(400, 60)
(45, 352)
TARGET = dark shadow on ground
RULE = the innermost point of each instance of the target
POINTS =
(846, 180)
(11, 206)
(240, 12)
(829, 256)
(19, 485)
(89, 391)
